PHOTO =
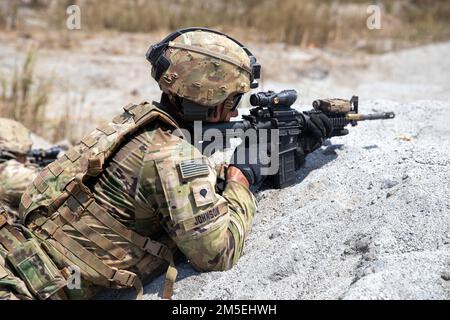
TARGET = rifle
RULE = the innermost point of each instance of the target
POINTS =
(274, 111)
(6, 156)
(40, 157)
(43, 157)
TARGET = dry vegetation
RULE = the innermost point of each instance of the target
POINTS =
(24, 97)
(296, 22)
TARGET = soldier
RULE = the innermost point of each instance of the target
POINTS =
(16, 173)
(123, 204)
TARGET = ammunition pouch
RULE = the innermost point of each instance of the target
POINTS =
(36, 269)
(33, 267)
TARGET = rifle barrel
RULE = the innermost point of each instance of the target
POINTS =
(373, 116)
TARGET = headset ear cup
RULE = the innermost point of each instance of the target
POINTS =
(155, 51)
(256, 73)
(162, 64)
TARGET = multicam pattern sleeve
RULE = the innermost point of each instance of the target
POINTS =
(209, 228)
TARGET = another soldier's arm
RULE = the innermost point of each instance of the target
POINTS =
(14, 179)
(209, 228)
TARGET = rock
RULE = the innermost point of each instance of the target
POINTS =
(405, 137)
(446, 275)
(390, 193)
(277, 233)
(369, 256)
(362, 245)
(389, 183)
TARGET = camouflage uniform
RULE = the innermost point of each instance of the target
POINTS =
(14, 176)
(119, 204)
(144, 186)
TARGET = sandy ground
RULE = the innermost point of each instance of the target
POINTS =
(370, 215)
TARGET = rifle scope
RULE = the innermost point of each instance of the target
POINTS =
(266, 99)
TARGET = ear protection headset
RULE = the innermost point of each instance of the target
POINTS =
(155, 55)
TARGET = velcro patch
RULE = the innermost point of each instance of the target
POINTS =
(141, 111)
(26, 200)
(40, 184)
(203, 194)
(205, 217)
(89, 141)
(55, 168)
(106, 129)
(72, 155)
(193, 168)
(129, 107)
(121, 118)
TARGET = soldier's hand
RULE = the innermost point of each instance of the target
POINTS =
(236, 175)
(317, 129)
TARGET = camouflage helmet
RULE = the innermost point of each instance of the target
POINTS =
(203, 66)
(14, 137)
